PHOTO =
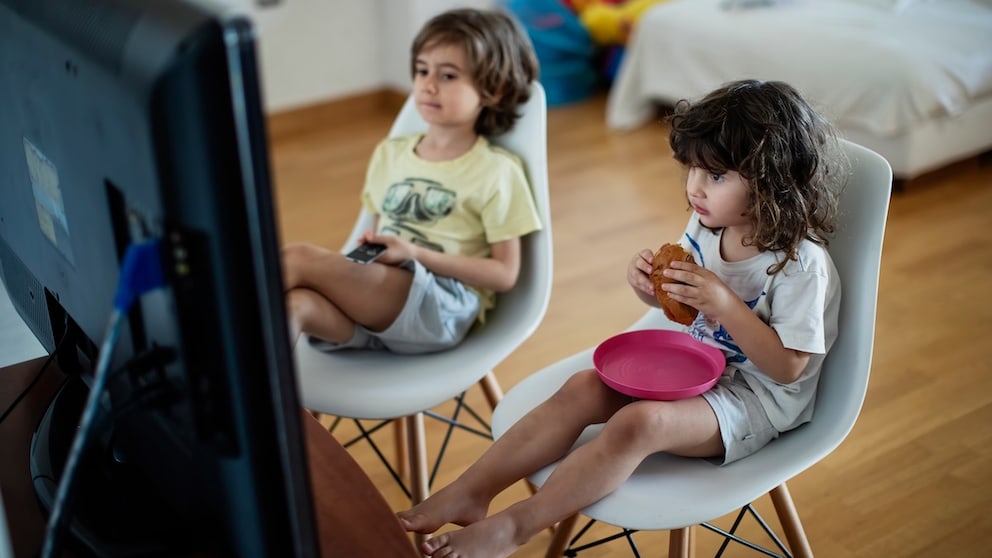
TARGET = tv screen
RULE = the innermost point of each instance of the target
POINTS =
(128, 123)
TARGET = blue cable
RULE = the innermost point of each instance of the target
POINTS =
(140, 273)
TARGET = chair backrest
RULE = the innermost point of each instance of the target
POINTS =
(856, 249)
(519, 311)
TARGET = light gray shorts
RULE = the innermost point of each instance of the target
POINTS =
(744, 425)
(438, 313)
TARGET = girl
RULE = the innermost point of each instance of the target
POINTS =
(450, 207)
(759, 161)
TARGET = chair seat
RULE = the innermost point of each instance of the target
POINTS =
(380, 385)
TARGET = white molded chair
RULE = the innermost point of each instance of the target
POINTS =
(381, 385)
(673, 493)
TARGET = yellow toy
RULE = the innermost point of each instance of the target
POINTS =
(610, 23)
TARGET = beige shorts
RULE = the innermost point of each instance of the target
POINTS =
(744, 425)
(438, 313)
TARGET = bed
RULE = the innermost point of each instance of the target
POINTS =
(910, 79)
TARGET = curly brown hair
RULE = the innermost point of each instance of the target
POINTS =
(785, 150)
(502, 60)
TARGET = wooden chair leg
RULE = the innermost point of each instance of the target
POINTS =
(682, 542)
(417, 456)
(492, 390)
(416, 444)
(561, 535)
(789, 518)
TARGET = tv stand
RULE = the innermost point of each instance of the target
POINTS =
(113, 512)
(355, 520)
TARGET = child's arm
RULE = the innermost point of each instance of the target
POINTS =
(498, 272)
(703, 290)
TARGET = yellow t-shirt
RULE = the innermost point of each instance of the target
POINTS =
(460, 206)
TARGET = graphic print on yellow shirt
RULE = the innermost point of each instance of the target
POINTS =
(418, 201)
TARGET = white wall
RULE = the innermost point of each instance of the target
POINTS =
(315, 50)
(310, 50)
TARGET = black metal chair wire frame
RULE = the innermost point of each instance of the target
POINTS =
(728, 537)
(483, 430)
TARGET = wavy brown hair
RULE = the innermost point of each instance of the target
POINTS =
(784, 149)
(502, 60)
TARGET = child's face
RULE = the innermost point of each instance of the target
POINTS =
(443, 88)
(719, 199)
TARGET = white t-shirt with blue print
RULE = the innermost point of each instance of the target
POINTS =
(800, 303)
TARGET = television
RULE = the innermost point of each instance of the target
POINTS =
(140, 122)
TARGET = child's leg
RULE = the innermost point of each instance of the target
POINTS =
(543, 435)
(368, 294)
(687, 427)
(308, 311)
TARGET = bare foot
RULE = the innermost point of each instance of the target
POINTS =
(493, 537)
(446, 506)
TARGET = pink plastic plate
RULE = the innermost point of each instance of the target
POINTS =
(658, 364)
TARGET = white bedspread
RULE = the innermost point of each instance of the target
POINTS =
(883, 66)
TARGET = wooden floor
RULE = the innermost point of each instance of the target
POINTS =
(912, 479)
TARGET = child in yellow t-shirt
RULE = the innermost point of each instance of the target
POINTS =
(450, 207)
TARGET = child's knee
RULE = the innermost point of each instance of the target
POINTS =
(293, 250)
(297, 303)
(300, 252)
(580, 385)
(292, 255)
(583, 393)
(635, 424)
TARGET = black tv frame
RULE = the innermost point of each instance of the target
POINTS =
(124, 121)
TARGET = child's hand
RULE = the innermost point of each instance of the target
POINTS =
(639, 276)
(701, 289)
(397, 251)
